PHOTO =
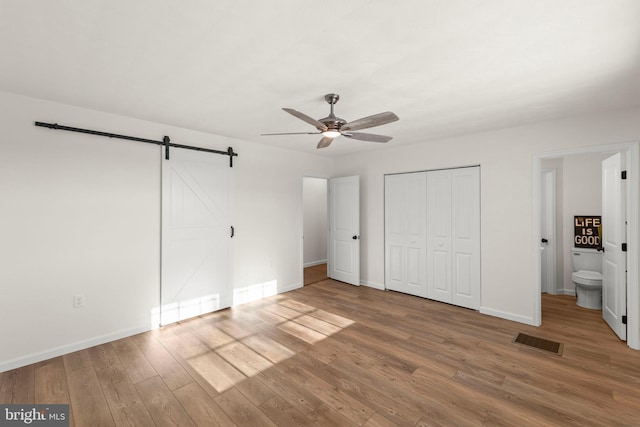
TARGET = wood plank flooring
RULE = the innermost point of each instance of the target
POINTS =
(332, 354)
(315, 274)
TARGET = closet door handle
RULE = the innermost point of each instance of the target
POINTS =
(233, 231)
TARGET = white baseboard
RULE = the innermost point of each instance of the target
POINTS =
(372, 285)
(290, 288)
(509, 316)
(59, 351)
(312, 263)
(81, 345)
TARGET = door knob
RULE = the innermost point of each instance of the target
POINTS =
(545, 241)
(355, 237)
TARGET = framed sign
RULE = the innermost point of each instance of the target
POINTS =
(587, 231)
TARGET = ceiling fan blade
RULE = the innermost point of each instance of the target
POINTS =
(324, 142)
(291, 133)
(370, 121)
(367, 137)
(318, 125)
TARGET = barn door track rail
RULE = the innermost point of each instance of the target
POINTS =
(166, 141)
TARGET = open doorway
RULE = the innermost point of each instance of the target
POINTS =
(579, 192)
(314, 198)
(571, 186)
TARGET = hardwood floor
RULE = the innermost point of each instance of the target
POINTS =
(339, 355)
(315, 274)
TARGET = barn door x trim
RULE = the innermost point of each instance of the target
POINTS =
(165, 141)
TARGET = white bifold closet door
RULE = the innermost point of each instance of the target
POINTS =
(432, 235)
(196, 234)
(453, 236)
(405, 233)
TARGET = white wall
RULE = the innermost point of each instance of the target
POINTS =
(315, 221)
(509, 287)
(582, 193)
(268, 245)
(80, 214)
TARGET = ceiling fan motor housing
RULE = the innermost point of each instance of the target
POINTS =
(331, 121)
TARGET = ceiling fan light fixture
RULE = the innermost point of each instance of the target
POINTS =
(331, 133)
(332, 126)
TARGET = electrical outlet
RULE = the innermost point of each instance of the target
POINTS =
(78, 301)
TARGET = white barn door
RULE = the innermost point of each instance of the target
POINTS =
(614, 278)
(343, 262)
(405, 233)
(196, 234)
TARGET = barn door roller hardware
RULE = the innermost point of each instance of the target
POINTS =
(165, 141)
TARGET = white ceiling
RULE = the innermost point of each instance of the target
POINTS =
(445, 67)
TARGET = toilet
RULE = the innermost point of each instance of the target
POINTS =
(587, 277)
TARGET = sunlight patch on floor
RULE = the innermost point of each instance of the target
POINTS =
(301, 332)
(227, 353)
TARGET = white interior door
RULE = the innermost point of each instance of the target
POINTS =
(196, 240)
(405, 233)
(548, 232)
(614, 279)
(343, 261)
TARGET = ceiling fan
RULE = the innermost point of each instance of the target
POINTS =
(331, 126)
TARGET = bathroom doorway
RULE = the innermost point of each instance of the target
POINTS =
(571, 185)
(578, 191)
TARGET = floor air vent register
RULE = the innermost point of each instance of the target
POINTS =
(539, 343)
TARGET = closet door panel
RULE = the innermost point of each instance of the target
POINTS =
(394, 232)
(463, 275)
(416, 239)
(439, 204)
(466, 237)
(414, 268)
(405, 228)
(440, 268)
(439, 235)
(395, 272)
